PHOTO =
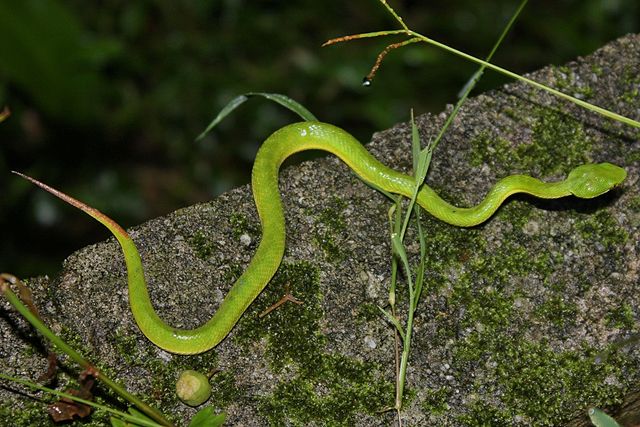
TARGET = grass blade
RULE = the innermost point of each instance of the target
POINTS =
(207, 418)
(283, 100)
(393, 320)
(583, 104)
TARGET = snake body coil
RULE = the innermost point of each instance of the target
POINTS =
(585, 181)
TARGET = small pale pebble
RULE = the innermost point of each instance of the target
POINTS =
(165, 356)
(531, 228)
(245, 239)
(370, 342)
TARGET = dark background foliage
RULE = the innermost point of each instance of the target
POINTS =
(108, 96)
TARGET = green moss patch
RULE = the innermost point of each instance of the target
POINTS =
(202, 245)
(602, 228)
(621, 317)
(539, 385)
(241, 225)
(557, 310)
(329, 230)
(318, 386)
(558, 144)
(436, 401)
(333, 395)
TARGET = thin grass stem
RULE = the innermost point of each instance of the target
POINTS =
(476, 77)
(394, 14)
(584, 104)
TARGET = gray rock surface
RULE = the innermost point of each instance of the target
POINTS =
(516, 317)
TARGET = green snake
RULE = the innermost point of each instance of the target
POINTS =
(585, 181)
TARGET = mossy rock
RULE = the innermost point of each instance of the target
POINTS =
(522, 320)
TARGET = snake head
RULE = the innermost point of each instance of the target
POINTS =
(592, 180)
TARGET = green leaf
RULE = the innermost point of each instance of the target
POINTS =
(379, 189)
(117, 422)
(138, 420)
(133, 411)
(394, 321)
(283, 100)
(421, 157)
(206, 418)
(424, 159)
(600, 419)
(415, 143)
(398, 248)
